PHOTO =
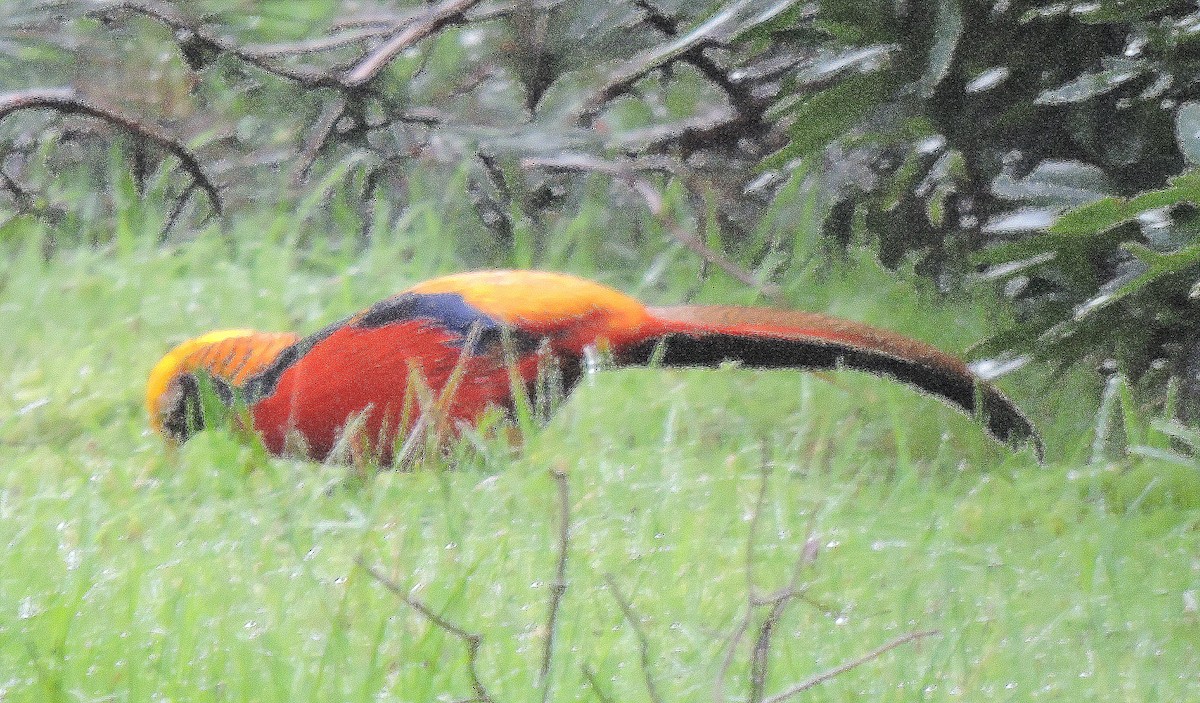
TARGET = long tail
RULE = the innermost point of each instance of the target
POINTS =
(769, 338)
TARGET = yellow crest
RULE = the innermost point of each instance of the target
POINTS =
(229, 355)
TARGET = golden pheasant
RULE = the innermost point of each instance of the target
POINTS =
(461, 339)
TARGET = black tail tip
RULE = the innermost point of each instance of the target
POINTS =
(1005, 421)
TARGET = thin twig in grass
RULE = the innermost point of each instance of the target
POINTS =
(760, 653)
(471, 640)
(643, 643)
(751, 589)
(590, 676)
(559, 586)
(777, 602)
(66, 101)
(828, 674)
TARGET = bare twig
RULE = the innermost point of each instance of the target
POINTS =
(471, 640)
(444, 13)
(778, 602)
(306, 76)
(762, 643)
(339, 40)
(317, 139)
(67, 101)
(730, 653)
(824, 676)
(20, 196)
(643, 643)
(176, 211)
(385, 23)
(628, 172)
(559, 587)
(590, 676)
(621, 79)
(760, 654)
(739, 94)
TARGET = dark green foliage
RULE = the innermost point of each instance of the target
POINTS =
(1036, 144)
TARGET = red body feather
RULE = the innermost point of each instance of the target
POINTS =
(369, 372)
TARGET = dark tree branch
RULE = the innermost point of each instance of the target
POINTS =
(318, 138)
(445, 13)
(176, 211)
(621, 79)
(739, 94)
(305, 76)
(495, 214)
(66, 101)
(317, 45)
(718, 128)
(21, 197)
(586, 163)
(471, 640)
(399, 33)
(495, 175)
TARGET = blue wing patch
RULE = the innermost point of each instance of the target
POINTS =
(448, 310)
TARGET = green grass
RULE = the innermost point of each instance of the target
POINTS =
(134, 572)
